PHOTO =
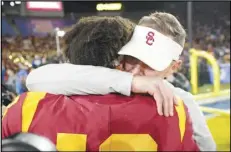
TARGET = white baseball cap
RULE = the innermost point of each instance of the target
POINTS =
(151, 47)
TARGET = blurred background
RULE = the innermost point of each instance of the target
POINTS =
(32, 36)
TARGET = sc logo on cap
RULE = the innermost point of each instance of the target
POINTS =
(150, 38)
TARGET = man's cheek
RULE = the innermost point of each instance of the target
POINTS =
(128, 67)
(150, 72)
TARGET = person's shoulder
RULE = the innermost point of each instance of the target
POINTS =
(180, 92)
(112, 99)
(188, 100)
(187, 97)
(141, 97)
(33, 99)
(184, 94)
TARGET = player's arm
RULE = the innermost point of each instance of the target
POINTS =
(201, 132)
(69, 79)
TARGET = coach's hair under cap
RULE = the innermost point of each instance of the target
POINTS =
(153, 48)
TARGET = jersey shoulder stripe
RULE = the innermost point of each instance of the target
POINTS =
(180, 109)
(29, 107)
(19, 114)
(12, 117)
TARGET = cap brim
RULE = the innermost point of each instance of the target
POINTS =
(157, 60)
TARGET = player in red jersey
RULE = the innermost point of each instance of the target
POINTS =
(94, 123)
(114, 123)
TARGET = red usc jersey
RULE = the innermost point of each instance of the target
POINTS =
(99, 123)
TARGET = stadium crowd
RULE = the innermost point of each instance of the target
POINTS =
(42, 50)
(24, 54)
(211, 34)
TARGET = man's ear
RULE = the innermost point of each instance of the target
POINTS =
(119, 63)
(120, 67)
(176, 65)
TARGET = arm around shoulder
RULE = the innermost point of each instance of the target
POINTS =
(69, 79)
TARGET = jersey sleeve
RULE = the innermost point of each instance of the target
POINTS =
(171, 130)
(12, 120)
(179, 129)
(19, 114)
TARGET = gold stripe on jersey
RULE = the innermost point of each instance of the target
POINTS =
(180, 109)
(29, 108)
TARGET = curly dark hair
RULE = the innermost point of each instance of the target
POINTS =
(96, 40)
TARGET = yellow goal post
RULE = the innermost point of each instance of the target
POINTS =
(194, 70)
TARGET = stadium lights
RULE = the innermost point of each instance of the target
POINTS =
(10, 57)
(16, 60)
(12, 4)
(108, 6)
(60, 33)
(28, 64)
(22, 59)
(17, 2)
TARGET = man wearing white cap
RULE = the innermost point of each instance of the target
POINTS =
(153, 48)
(158, 52)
